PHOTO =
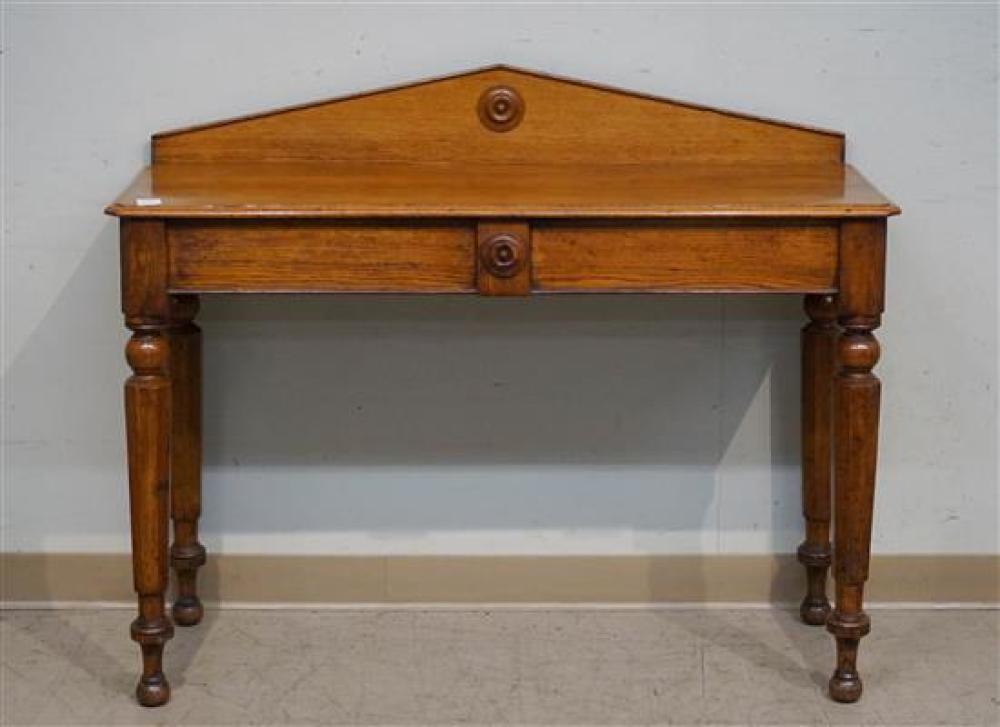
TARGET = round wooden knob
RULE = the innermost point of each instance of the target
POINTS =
(501, 108)
(502, 255)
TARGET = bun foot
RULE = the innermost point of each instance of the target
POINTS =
(845, 686)
(814, 611)
(188, 611)
(153, 691)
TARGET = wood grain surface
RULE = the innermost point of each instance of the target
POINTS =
(564, 120)
(447, 189)
(297, 256)
(677, 256)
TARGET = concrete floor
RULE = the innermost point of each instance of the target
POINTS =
(501, 667)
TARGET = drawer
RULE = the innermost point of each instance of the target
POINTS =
(321, 256)
(679, 256)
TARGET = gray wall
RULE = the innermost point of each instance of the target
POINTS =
(571, 425)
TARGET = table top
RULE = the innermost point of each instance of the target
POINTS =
(410, 189)
(500, 142)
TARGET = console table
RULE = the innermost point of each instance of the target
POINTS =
(501, 182)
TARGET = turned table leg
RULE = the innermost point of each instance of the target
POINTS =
(819, 338)
(147, 425)
(856, 409)
(186, 553)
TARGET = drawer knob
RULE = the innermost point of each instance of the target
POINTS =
(501, 108)
(502, 255)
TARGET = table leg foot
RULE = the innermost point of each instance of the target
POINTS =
(845, 684)
(153, 689)
(188, 611)
(814, 612)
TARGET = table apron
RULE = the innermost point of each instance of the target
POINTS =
(440, 256)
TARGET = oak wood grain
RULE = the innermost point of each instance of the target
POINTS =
(311, 256)
(144, 271)
(591, 189)
(564, 121)
(679, 256)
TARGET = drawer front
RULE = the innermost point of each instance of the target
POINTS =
(684, 257)
(319, 256)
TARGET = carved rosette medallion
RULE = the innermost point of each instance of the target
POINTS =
(501, 108)
(502, 255)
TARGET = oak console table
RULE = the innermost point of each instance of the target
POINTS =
(501, 182)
